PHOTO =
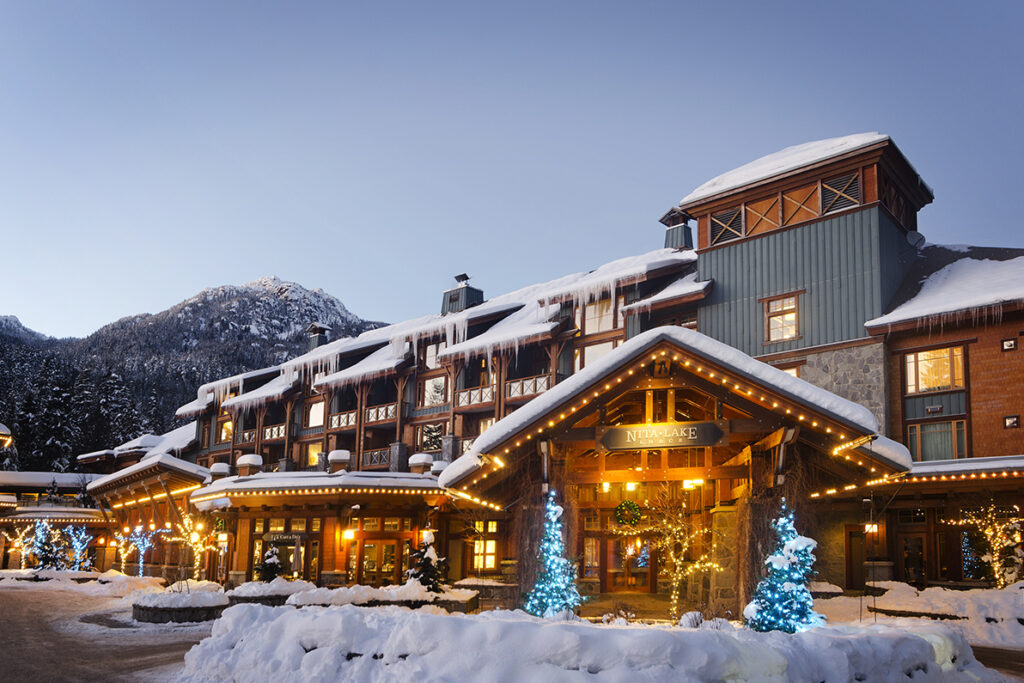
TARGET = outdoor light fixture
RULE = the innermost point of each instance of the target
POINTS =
(348, 534)
(870, 528)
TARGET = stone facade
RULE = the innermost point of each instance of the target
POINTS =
(724, 597)
(856, 373)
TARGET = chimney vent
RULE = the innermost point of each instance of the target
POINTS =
(461, 296)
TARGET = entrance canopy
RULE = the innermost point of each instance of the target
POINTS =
(748, 396)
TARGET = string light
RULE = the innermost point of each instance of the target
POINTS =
(555, 591)
(1001, 531)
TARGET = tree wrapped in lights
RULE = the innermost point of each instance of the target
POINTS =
(555, 590)
(782, 600)
(1001, 532)
(20, 542)
(140, 540)
(427, 568)
(78, 543)
(47, 546)
(191, 533)
(667, 527)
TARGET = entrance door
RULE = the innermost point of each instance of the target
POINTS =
(855, 559)
(910, 551)
(629, 565)
(380, 563)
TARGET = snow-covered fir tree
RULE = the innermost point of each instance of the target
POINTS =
(554, 592)
(47, 546)
(270, 568)
(118, 409)
(782, 600)
(427, 568)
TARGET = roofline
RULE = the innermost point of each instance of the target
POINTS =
(915, 323)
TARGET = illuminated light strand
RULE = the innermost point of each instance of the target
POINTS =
(156, 496)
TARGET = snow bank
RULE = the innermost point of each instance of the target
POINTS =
(278, 586)
(258, 643)
(411, 591)
(823, 587)
(188, 585)
(110, 583)
(181, 599)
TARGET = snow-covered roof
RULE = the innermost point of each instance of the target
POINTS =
(139, 443)
(278, 481)
(44, 479)
(784, 161)
(688, 285)
(209, 393)
(965, 286)
(196, 406)
(847, 412)
(997, 463)
(378, 364)
(271, 391)
(174, 442)
(61, 513)
(890, 450)
(4, 431)
(163, 461)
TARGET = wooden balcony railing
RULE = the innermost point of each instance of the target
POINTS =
(377, 458)
(472, 397)
(274, 432)
(339, 420)
(382, 413)
(466, 444)
(247, 436)
(528, 386)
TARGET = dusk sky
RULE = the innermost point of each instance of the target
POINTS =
(149, 150)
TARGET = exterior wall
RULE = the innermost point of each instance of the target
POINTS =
(849, 266)
(856, 373)
(990, 397)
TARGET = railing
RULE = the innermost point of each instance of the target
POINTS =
(465, 445)
(339, 420)
(472, 397)
(528, 386)
(247, 436)
(381, 456)
(44, 501)
(388, 411)
(274, 432)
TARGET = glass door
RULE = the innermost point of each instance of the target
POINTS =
(629, 566)
(380, 563)
(910, 550)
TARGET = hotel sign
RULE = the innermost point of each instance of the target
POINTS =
(664, 435)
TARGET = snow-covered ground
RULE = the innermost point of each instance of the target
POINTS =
(278, 586)
(411, 590)
(990, 616)
(257, 643)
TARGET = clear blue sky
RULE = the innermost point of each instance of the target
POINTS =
(150, 149)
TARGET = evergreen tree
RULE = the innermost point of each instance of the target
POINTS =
(26, 430)
(782, 600)
(152, 414)
(85, 413)
(53, 492)
(427, 568)
(555, 590)
(47, 546)
(118, 410)
(270, 568)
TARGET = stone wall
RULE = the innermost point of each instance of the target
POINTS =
(724, 596)
(857, 373)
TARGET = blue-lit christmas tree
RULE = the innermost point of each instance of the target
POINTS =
(78, 543)
(554, 592)
(47, 546)
(782, 601)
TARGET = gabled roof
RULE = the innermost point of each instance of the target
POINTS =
(946, 283)
(148, 467)
(856, 417)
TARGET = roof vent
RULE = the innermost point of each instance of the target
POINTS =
(317, 334)
(461, 296)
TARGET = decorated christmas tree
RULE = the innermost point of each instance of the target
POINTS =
(427, 568)
(47, 546)
(782, 601)
(555, 590)
(270, 568)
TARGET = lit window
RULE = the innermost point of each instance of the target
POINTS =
(588, 355)
(315, 416)
(277, 524)
(781, 319)
(392, 523)
(257, 527)
(371, 523)
(224, 431)
(433, 392)
(591, 558)
(299, 524)
(315, 526)
(937, 440)
(794, 371)
(485, 554)
(313, 452)
(599, 317)
(935, 370)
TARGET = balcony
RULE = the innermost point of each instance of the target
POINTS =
(383, 413)
(274, 432)
(380, 457)
(529, 386)
(465, 444)
(473, 397)
(247, 436)
(341, 420)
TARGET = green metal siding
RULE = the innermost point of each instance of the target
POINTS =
(948, 404)
(849, 266)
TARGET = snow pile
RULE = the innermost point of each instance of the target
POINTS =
(788, 159)
(258, 643)
(411, 591)
(189, 585)
(823, 587)
(964, 287)
(278, 586)
(178, 599)
(110, 583)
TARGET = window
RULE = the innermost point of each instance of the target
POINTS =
(490, 526)
(599, 317)
(433, 392)
(911, 516)
(257, 526)
(299, 524)
(313, 452)
(937, 440)
(315, 415)
(591, 557)
(485, 554)
(935, 370)
(430, 353)
(1011, 422)
(587, 355)
(277, 524)
(315, 526)
(224, 431)
(592, 522)
(428, 437)
(781, 319)
(371, 523)
(392, 523)
(1009, 345)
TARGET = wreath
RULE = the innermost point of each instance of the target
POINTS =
(627, 513)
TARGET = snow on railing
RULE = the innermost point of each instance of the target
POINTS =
(388, 411)
(528, 386)
(472, 397)
(339, 420)
(274, 432)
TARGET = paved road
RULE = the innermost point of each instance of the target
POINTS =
(1010, 662)
(35, 651)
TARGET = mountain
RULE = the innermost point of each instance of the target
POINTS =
(63, 397)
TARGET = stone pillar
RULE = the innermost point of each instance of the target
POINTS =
(399, 458)
(724, 598)
(449, 442)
